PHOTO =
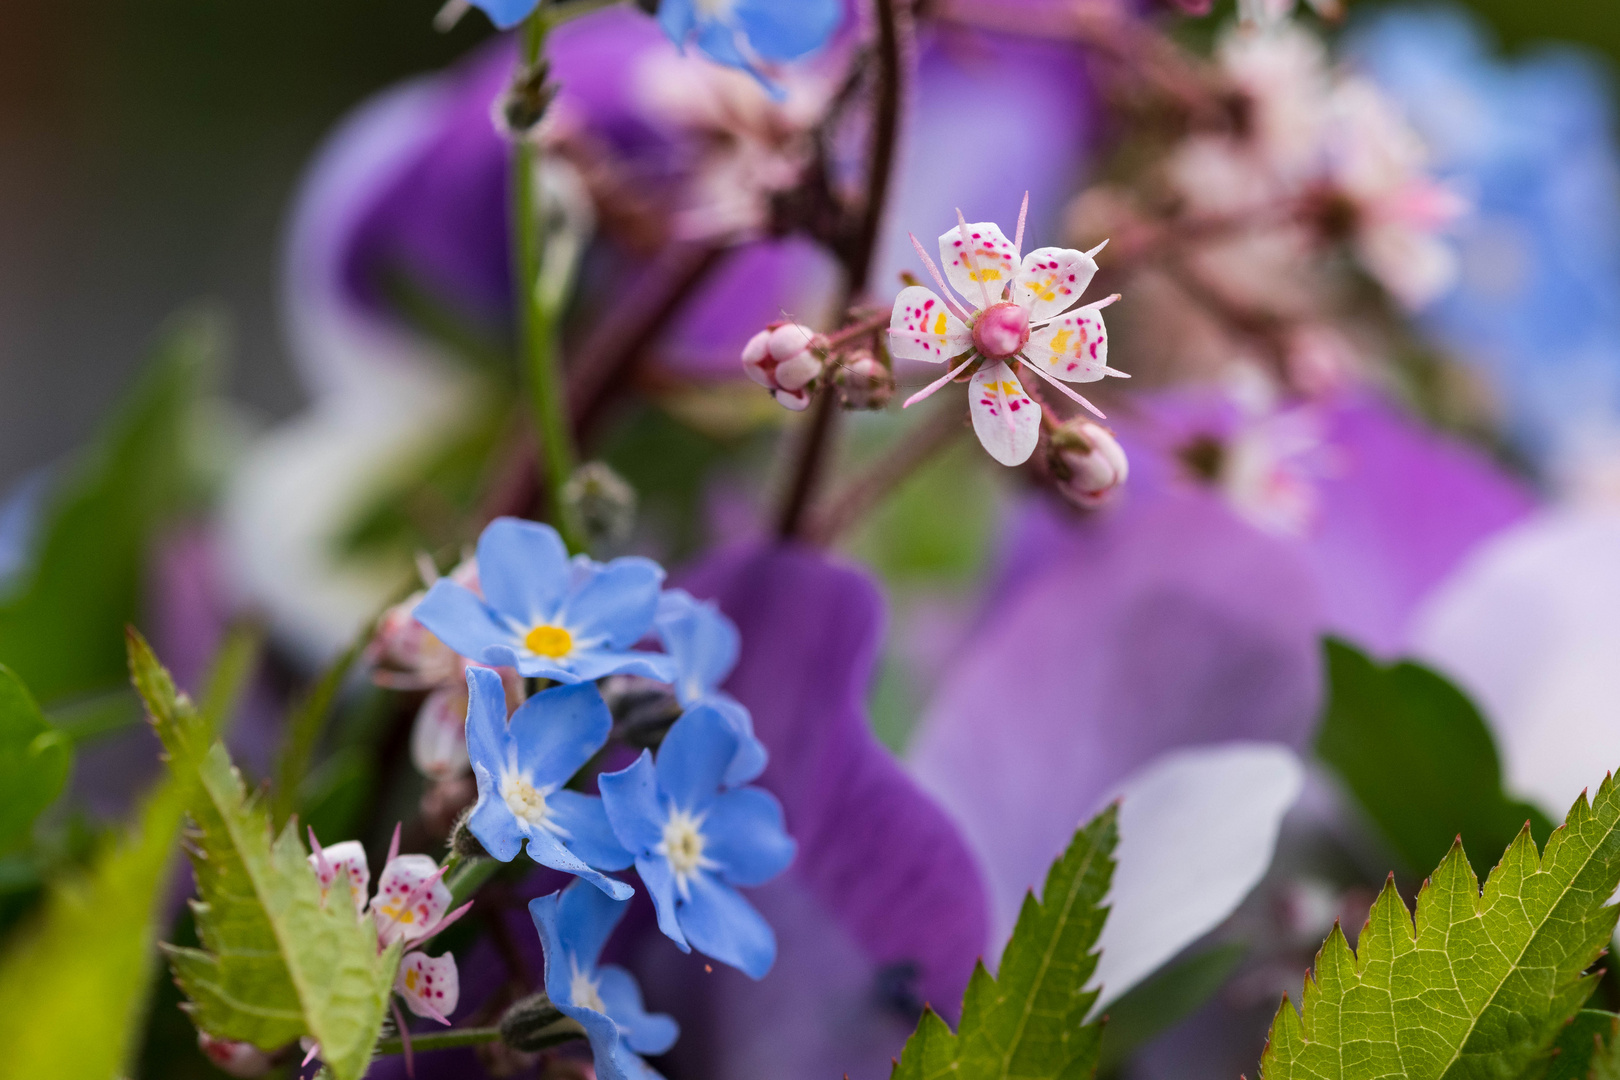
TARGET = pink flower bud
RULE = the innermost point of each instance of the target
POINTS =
(1087, 462)
(439, 736)
(783, 359)
(1001, 330)
(866, 382)
(236, 1058)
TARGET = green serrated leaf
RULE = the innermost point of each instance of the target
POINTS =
(61, 620)
(1028, 1022)
(74, 980)
(34, 761)
(1419, 759)
(1482, 984)
(275, 963)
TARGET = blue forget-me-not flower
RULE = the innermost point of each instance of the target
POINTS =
(745, 33)
(704, 644)
(549, 616)
(574, 925)
(521, 767)
(694, 841)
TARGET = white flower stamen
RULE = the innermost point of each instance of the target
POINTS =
(584, 992)
(682, 847)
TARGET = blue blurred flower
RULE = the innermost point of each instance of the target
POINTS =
(693, 842)
(574, 925)
(1537, 305)
(546, 615)
(506, 13)
(742, 33)
(521, 766)
(704, 645)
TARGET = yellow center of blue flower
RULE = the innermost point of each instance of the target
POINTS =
(524, 800)
(547, 640)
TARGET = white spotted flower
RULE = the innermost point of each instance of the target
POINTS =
(1017, 311)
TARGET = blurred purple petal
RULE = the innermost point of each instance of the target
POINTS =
(1166, 623)
(883, 908)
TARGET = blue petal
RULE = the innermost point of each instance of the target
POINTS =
(694, 757)
(589, 834)
(614, 1060)
(523, 569)
(655, 874)
(585, 920)
(506, 14)
(495, 826)
(616, 603)
(531, 666)
(677, 19)
(558, 730)
(788, 29)
(547, 850)
(546, 912)
(458, 618)
(487, 737)
(630, 797)
(751, 757)
(703, 642)
(745, 835)
(590, 664)
(718, 41)
(720, 923)
(647, 1033)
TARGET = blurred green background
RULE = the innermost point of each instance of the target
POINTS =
(148, 149)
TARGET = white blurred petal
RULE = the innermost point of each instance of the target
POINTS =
(1197, 830)
(1530, 628)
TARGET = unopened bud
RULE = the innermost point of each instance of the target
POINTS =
(405, 655)
(1086, 461)
(784, 359)
(534, 1023)
(520, 109)
(236, 1058)
(438, 737)
(865, 381)
(602, 502)
(463, 844)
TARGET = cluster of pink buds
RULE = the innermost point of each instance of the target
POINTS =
(785, 358)
(1086, 461)
(405, 655)
(411, 906)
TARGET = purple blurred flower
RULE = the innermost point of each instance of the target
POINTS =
(1183, 616)
(412, 189)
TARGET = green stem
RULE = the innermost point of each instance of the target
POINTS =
(441, 1040)
(464, 876)
(536, 318)
(304, 726)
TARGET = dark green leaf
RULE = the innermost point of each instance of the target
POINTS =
(1419, 759)
(34, 761)
(1587, 1040)
(1164, 1000)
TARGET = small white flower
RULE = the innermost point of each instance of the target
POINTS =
(1017, 311)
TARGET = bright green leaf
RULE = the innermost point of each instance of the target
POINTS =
(276, 963)
(61, 625)
(1029, 1020)
(1419, 759)
(1481, 985)
(34, 760)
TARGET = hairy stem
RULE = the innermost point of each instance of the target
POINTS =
(857, 258)
(441, 1040)
(536, 320)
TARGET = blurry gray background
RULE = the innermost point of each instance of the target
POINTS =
(148, 149)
